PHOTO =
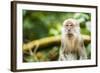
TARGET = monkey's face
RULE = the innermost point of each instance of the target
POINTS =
(70, 27)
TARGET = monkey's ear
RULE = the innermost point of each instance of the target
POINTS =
(76, 22)
(65, 22)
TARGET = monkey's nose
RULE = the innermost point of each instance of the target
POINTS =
(68, 29)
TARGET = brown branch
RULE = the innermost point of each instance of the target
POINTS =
(49, 41)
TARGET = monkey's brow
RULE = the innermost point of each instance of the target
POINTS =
(69, 22)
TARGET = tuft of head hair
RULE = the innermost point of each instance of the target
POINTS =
(74, 21)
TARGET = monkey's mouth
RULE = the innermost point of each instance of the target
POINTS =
(70, 34)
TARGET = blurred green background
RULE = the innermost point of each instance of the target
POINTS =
(42, 24)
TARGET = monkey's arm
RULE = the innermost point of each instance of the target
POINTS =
(83, 53)
(61, 52)
(61, 55)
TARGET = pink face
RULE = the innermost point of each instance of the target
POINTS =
(70, 27)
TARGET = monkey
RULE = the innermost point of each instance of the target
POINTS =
(72, 44)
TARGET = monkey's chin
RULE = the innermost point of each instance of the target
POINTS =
(70, 34)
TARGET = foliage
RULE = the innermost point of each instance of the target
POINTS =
(41, 24)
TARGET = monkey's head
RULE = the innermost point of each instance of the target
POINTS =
(71, 27)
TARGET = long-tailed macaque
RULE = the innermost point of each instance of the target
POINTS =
(72, 44)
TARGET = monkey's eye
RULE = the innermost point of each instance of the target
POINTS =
(66, 25)
(71, 25)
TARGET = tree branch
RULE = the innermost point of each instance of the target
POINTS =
(49, 41)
